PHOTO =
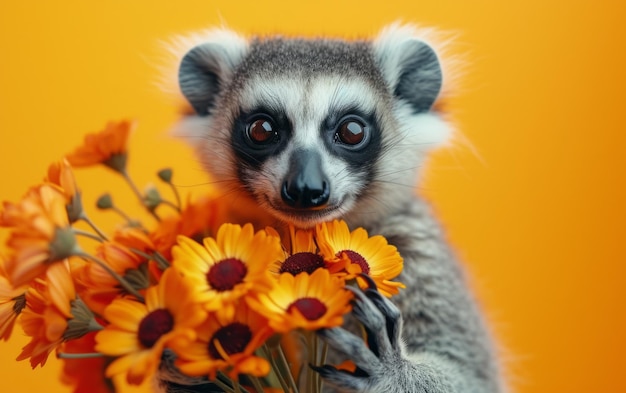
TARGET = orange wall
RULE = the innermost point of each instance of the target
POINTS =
(537, 211)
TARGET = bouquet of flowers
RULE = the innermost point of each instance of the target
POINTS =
(235, 305)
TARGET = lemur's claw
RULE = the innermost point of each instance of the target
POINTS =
(376, 358)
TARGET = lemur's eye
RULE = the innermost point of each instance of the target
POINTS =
(261, 131)
(351, 132)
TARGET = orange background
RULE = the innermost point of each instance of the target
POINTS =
(537, 210)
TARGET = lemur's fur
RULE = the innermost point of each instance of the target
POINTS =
(343, 129)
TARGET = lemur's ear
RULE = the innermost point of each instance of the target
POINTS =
(409, 65)
(206, 68)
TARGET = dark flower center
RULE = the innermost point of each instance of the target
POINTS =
(225, 274)
(302, 262)
(356, 258)
(153, 326)
(311, 308)
(233, 338)
(20, 303)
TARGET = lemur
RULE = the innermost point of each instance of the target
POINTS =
(311, 130)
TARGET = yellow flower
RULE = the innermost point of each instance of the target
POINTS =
(41, 234)
(303, 256)
(308, 301)
(353, 253)
(226, 268)
(106, 147)
(227, 343)
(48, 309)
(138, 332)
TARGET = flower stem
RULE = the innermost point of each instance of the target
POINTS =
(65, 355)
(125, 284)
(85, 218)
(138, 193)
(88, 234)
(257, 384)
(223, 386)
(177, 196)
(170, 204)
(276, 369)
(162, 263)
(283, 360)
(322, 361)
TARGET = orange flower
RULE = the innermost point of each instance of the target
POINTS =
(227, 343)
(60, 174)
(353, 253)
(40, 235)
(106, 147)
(139, 332)
(226, 268)
(134, 237)
(85, 375)
(48, 309)
(97, 286)
(311, 302)
(197, 221)
(12, 301)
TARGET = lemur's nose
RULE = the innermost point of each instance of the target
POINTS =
(306, 185)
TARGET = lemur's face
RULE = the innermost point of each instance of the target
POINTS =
(315, 130)
(307, 149)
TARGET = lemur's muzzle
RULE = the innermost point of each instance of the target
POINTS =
(305, 185)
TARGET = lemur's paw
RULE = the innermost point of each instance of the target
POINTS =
(378, 358)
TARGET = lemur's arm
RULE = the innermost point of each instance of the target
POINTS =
(432, 339)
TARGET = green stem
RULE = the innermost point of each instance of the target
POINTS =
(170, 204)
(277, 371)
(283, 359)
(85, 218)
(162, 263)
(322, 361)
(88, 235)
(125, 284)
(123, 215)
(314, 375)
(138, 193)
(223, 386)
(65, 355)
(177, 196)
(257, 384)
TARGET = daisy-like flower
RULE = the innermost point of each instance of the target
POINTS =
(353, 253)
(108, 147)
(224, 269)
(307, 301)
(60, 174)
(53, 315)
(41, 233)
(12, 302)
(98, 287)
(199, 219)
(303, 257)
(227, 343)
(138, 332)
(85, 375)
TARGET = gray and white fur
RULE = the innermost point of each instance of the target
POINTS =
(311, 130)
